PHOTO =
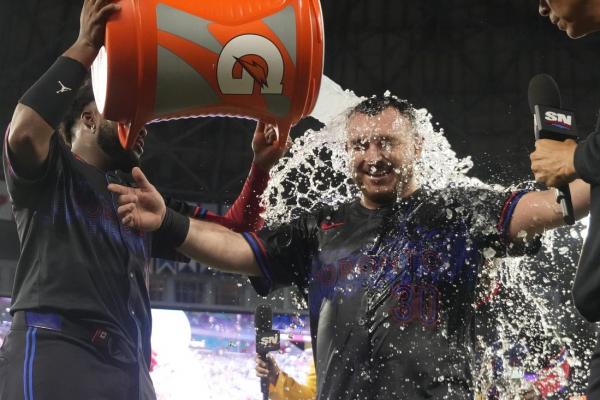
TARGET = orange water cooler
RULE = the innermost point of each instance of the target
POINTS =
(165, 59)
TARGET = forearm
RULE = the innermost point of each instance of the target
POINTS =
(219, 247)
(83, 52)
(40, 112)
(539, 211)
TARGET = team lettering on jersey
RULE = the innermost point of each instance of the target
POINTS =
(414, 274)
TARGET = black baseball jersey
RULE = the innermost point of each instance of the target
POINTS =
(77, 260)
(390, 291)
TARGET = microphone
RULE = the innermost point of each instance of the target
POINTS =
(550, 121)
(267, 340)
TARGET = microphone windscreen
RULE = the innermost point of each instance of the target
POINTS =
(543, 91)
(263, 318)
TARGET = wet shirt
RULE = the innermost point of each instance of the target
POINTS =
(390, 291)
(76, 259)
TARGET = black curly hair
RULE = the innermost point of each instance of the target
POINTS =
(84, 96)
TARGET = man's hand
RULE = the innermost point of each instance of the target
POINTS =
(266, 150)
(141, 208)
(268, 369)
(92, 27)
(552, 162)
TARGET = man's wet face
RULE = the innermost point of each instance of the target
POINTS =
(382, 149)
(108, 141)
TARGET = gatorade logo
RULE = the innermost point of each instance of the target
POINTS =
(249, 64)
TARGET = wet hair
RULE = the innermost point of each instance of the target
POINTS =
(375, 105)
(84, 96)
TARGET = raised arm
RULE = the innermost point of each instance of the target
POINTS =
(42, 107)
(539, 211)
(244, 214)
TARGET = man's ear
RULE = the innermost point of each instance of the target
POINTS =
(418, 145)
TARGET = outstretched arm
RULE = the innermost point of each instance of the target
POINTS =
(217, 246)
(539, 211)
(143, 208)
(31, 128)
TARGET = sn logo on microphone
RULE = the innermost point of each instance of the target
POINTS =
(269, 340)
(558, 120)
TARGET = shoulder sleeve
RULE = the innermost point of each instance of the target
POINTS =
(23, 191)
(587, 158)
(491, 213)
(284, 254)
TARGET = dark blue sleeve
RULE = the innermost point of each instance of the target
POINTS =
(491, 213)
(587, 158)
(586, 289)
(284, 254)
(24, 191)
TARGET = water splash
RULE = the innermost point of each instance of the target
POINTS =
(528, 345)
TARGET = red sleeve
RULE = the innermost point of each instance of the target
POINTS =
(244, 214)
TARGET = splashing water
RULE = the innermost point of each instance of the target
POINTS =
(316, 172)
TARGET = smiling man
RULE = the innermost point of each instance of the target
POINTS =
(389, 277)
(382, 179)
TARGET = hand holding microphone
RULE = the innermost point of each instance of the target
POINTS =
(267, 340)
(555, 134)
(552, 162)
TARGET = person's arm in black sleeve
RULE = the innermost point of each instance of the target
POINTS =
(42, 107)
(586, 288)
(284, 254)
(587, 158)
